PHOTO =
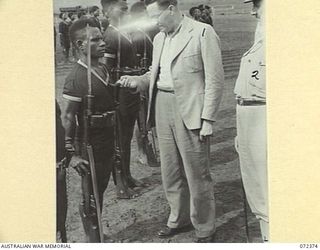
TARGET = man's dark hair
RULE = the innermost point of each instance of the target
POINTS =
(138, 7)
(81, 13)
(61, 15)
(191, 11)
(93, 9)
(77, 26)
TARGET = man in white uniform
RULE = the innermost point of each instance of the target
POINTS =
(251, 141)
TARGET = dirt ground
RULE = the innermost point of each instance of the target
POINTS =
(139, 219)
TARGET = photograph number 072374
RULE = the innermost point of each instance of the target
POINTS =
(160, 121)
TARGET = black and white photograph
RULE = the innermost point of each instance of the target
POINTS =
(160, 127)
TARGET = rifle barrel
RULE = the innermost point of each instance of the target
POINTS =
(89, 61)
(119, 47)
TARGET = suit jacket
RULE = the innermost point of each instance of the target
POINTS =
(197, 73)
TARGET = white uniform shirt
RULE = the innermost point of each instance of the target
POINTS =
(251, 82)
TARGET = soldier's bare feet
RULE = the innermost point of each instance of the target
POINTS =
(127, 193)
(133, 183)
(142, 159)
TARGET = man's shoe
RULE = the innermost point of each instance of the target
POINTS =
(209, 239)
(169, 232)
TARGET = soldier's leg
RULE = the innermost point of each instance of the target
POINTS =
(141, 158)
(61, 204)
(141, 132)
(128, 107)
(127, 128)
(103, 154)
(252, 149)
(88, 212)
(104, 165)
(148, 138)
(264, 227)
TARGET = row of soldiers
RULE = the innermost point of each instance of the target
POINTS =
(202, 13)
(67, 19)
(99, 118)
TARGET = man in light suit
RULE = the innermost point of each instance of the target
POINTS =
(185, 88)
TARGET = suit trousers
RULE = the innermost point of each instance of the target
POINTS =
(185, 169)
(251, 145)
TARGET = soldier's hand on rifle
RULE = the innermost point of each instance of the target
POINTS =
(128, 82)
(79, 164)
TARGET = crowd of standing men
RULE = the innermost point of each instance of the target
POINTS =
(169, 76)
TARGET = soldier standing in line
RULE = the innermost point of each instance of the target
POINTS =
(61, 164)
(251, 140)
(94, 12)
(143, 43)
(64, 35)
(129, 104)
(101, 123)
(206, 12)
(195, 13)
(73, 18)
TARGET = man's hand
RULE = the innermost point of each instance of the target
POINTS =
(128, 82)
(79, 164)
(206, 130)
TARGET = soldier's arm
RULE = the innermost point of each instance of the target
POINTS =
(72, 95)
(111, 49)
(69, 118)
(72, 144)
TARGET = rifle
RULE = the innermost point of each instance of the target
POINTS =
(91, 215)
(118, 171)
(148, 137)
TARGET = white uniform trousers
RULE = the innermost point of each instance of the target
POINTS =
(251, 144)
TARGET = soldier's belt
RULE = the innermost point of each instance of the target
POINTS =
(103, 120)
(166, 90)
(246, 102)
